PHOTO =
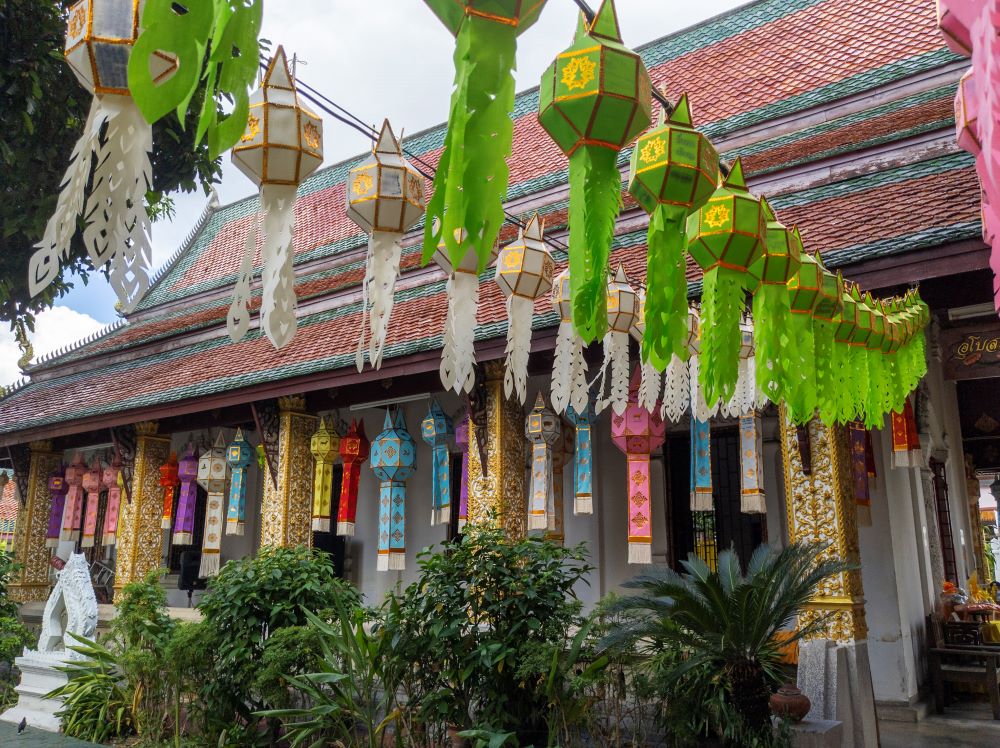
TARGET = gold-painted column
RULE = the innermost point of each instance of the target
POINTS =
(500, 493)
(820, 509)
(140, 537)
(286, 511)
(32, 581)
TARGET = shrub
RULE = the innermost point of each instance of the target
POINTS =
(13, 634)
(469, 631)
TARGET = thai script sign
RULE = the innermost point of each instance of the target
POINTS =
(972, 352)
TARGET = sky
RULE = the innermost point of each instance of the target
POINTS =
(383, 58)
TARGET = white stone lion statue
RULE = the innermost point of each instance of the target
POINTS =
(71, 609)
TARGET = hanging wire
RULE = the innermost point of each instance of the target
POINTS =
(346, 117)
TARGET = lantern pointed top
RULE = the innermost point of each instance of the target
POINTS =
(278, 74)
(620, 276)
(769, 214)
(534, 229)
(387, 143)
(322, 424)
(736, 180)
(605, 23)
(681, 115)
(219, 441)
(239, 435)
(581, 27)
(540, 401)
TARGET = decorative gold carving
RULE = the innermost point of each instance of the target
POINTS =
(500, 493)
(140, 537)
(31, 583)
(821, 509)
(286, 511)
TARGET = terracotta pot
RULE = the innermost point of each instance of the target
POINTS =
(790, 702)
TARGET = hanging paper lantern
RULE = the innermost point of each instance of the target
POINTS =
(524, 274)
(385, 197)
(325, 446)
(353, 451)
(187, 502)
(777, 353)
(856, 434)
(73, 513)
(555, 530)
(848, 363)
(213, 476)
(726, 238)
(583, 458)
(465, 213)
(676, 399)
(239, 455)
(967, 115)
(637, 433)
(828, 306)
(58, 487)
(878, 396)
(569, 386)
(649, 388)
(673, 171)
(394, 455)
(701, 466)
(954, 20)
(92, 487)
(594, 99)
(543, 430)
(458, 354)
(437, 430)
(281, 146)
(462, 444)
(99, 39)
(112, 480)
(169, 482)
(801, 393)
(752, 499)
(622, 307)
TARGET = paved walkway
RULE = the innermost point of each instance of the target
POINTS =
(32, 738)
(972, 726)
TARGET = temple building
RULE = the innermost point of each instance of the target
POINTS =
(843, 116)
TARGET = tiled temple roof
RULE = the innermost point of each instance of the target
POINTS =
(767, 62)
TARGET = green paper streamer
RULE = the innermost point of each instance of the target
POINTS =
(801, 384)
(826, 382)
(721, 309)
(777, 351)
(666, 288)
(594, 202)
(466, 209)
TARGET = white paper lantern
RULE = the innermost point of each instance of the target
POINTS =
(281, 146)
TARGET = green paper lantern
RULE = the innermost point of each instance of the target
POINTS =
(674, 169)
(725, 237)
(829, 378)
(777, 353)
(465, 212)
(593, 100)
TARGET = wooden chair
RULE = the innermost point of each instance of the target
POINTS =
(957, 655)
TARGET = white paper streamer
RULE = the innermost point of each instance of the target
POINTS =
(649, 387)
(569, 371)
(381, 273)
(458, 355)
(277, 310)
(676, 390)
(616, 363)
(520, 312)
(238, 319)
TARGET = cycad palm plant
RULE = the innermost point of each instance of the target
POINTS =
(725, 622)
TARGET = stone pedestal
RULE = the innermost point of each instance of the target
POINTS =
(39, 676)
(818, 733)
(837, 680)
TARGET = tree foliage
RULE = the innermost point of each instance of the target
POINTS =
(42, 111)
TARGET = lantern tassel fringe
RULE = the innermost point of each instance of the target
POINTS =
(345, 528)
(458, 354)
(209, 564)
(277, 313)
(640, 553)
(753, 503)
(238, 528)
(594, 201)
(666, 290)
(649, 387)
(520, 312)
(321, 524)
(381, 273)
(238, 319)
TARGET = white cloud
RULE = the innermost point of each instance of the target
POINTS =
(54, 328)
